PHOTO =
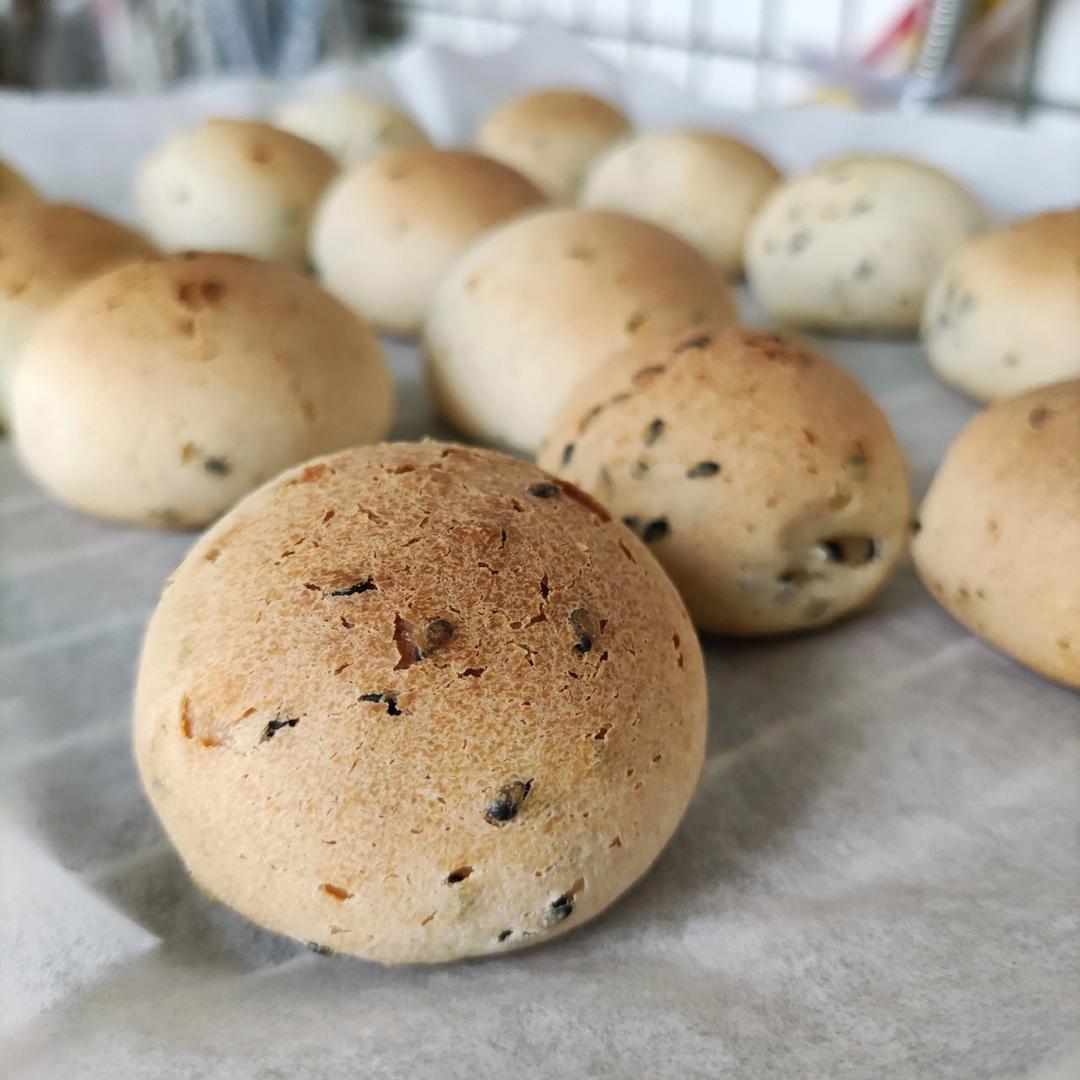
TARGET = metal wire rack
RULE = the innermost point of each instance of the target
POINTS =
(753, 52)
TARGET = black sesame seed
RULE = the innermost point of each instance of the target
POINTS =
(506, 804)
(217, 466)
(916, 527)
(567, 454)
(584, 626)
(562, 907)
(437, 633)
(631, 521)
(276, 725)
(504, 935)
(389, 699)
(543, 491)
(656, 529)
(798, 241)
(833, 549)
(702, 468)
(654, 431)
(321, 950)
(359, 587)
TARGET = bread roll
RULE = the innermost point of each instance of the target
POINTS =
(460, 715)
(760, 474)
(1004, 314)
(162, 391)
(46, 249)
(700, 185)
(388, 231)
(854, 244)
(535, 305)
(551, 136)
(351, 126)
(233, 185)
(998, 542)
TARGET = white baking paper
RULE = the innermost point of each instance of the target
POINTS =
(879, 875)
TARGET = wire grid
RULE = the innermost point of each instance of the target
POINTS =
(692, 41)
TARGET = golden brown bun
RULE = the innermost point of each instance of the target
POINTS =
(46, 249)
(760, 473)
(551, 136)
(535, 305)
(162, 391)
(233, 185)
(416, 702)
(387, 232)
(999, 537)
(1004, 314)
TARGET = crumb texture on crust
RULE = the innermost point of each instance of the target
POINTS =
(415, 702)
(998, 543)
(760, 474)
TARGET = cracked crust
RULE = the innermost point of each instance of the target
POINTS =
(535, 305)
(999, 538)
(761, 475)
(162, 391)
(479, 749)
(233, 185)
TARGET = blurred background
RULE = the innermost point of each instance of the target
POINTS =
(1016, 58)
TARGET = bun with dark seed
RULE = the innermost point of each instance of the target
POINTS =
(415, 702)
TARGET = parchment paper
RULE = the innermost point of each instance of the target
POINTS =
(879, 875)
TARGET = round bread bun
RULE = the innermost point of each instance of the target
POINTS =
(700, 185)
(46, 249)
(998, 542)
(535, 305)
(388, 231)
(15, 188)
(551, 136)
(854, 244)
(1004, 314)
(462, 717)
(761, 475)
(233, 185)
(163, 390)
(350, 126)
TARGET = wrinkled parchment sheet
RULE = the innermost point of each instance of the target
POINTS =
(879, 875)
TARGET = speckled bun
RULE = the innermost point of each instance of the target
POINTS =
(388, 231)
(462, 715)
(162, 391)
(854, 244)
(233, 185)
(551, 136)
(15, 188)
(350, 126)
(999, 533)
(46, 249)
(1004, 314)
(759, 473)
(535, 305)
(703, 186)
